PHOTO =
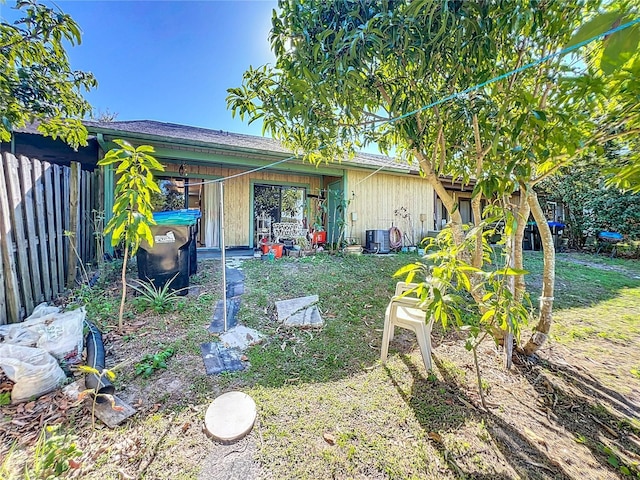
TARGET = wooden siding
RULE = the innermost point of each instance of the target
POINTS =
(238, 194)
(375, 199)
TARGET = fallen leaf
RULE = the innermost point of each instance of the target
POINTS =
(436, 437)
(329, 438)
(185, 427)
(73, 464)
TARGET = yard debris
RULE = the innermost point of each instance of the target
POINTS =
(241, 337)
(300, 312)
(329, 438)
(111, 415)
(218, 358)
(60, 334)
(34, 371)
(21, 423)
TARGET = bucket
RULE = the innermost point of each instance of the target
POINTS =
(277, 249)
(265, 248)
(319, 237)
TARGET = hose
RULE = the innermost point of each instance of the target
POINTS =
(395, 238)
(95, 359)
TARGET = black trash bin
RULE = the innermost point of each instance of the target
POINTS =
(173, 257)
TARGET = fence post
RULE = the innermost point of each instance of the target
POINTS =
(72, 235)
(10, 284)
(12, 178)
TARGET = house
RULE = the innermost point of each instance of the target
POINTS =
(31, 143)
(264, 185)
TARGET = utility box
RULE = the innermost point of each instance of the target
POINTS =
(377, 241)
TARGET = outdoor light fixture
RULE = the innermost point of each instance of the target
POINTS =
(182, 170)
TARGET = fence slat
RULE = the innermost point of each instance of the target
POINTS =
(66, 173)
(87, 218)
(82, 248)
(96, 214)
(59, 212)
(74, 224)
(47, 174)
(41, 219)
(31, 233)
(10, 284)
(17, 220)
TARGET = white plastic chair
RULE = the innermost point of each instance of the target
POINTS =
(405, 312)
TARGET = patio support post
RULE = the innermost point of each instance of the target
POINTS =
(222, 256)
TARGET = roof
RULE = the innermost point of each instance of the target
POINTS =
(219, 138)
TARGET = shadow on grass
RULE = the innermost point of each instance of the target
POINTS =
(524, 457)
(598, 417)
(579, 284)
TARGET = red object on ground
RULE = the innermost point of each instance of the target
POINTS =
(276, 247)
(319, 237)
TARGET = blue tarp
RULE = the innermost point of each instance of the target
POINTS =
(610, 236)
(177, 217)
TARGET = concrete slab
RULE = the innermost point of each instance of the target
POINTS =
(217, 321)
(217, 358)
(287, 308)
(234, 275)
(103, 411)
(241, 337)
(235, 289)
(307, 318)
(230, 417)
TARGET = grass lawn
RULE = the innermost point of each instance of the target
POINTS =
(327, 407)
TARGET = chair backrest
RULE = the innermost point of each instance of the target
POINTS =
(402, 287)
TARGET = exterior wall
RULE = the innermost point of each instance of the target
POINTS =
(374, 200)
(440, 212)
(238, 221)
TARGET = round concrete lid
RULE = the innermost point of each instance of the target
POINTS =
(230, 416)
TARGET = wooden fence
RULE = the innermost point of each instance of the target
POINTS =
(47, 215)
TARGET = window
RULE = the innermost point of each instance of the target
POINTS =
(275, 204)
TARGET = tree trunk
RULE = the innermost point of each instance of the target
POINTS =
(124, 288)
(476, 205)
(541, 331)
(522, 216)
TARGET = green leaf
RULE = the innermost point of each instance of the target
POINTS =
(406, 269)
(511, 271)
(619, 48)
(596, 26)
(539, 115)
(488, 315)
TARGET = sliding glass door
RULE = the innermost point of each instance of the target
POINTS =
(277, 204)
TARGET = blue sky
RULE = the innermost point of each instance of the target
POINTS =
(170, 61)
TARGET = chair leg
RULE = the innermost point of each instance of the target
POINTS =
(423, 333)
(387, 333)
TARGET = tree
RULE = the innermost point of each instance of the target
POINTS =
(399, 73)
(36, 79)
(132, 208)
(590, 204)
